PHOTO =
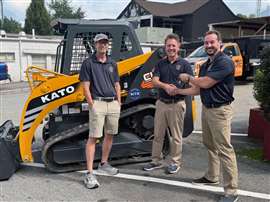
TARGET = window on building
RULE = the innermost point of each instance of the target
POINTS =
(39, 60)
(145, 23)
(7, 57)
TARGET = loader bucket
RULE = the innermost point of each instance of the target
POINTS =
(9, 150)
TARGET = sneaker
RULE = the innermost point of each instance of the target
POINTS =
(229, 198)
(90, 181)
(173, 168)
(203, 180)
(106, 168)
(152, 166)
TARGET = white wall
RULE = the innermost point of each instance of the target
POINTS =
(24, 49)
(152, 34)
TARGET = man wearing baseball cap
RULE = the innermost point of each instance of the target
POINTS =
(101, 36)
(100, 79)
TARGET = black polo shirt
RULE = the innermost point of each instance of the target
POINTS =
(169, 73)
(220, 69)
(102, 76)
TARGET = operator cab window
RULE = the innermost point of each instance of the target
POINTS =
(83, 47)
(126, 44)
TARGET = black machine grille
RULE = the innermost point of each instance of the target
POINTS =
(126, 44)
(83, 46)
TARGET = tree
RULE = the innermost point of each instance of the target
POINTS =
(245, 16)
(262, 84)
(62, 9)
(241, 16)
(11, 25)
(252, 16)
(37, 17)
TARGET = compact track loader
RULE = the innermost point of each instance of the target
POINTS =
(56, 100)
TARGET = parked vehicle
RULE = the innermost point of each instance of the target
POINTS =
(199, 56)
(245, 53)
(4, 72)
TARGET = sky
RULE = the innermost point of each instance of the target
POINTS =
(98, 9)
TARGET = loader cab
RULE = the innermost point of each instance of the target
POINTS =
(78, 43)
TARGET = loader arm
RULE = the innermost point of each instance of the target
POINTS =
(49, 91)
(52, 91)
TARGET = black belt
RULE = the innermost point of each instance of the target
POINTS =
(105, 99)
(170, 101)
(216, 105)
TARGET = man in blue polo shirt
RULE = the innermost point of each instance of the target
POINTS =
(100, 80)
(170, 110)
(215, 85)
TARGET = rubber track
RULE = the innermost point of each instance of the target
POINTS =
(64, 135)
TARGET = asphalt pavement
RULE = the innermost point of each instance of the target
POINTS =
(6, 86)
(32, 182)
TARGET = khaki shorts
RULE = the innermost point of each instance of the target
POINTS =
(103, 114)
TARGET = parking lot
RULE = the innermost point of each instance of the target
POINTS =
(34, 183)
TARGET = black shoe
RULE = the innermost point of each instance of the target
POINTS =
(229, 198)
(152, 166)
(203, 180)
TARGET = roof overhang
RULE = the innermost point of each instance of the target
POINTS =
(60, 25)
(257, 24)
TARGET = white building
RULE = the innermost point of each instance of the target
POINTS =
(19, 51)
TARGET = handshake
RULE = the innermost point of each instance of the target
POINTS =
(185, 77)
(172, 89)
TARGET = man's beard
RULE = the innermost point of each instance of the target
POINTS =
(213, 51)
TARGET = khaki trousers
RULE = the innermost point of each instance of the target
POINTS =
(216, 127)
(103, 115)
(168, 116)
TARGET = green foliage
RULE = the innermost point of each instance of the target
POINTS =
(252, 153)
(252, 16)
(262, 82)
(241, 16)
(62, 9)
(255, 154)
(11, 26)
(245, 16)
(37, 17)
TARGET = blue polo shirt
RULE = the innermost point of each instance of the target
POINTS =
(102, 76)
(220, 69)
(169, 73)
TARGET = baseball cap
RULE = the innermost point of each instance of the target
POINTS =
(101, 36)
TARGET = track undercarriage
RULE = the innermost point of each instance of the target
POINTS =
(64, 151)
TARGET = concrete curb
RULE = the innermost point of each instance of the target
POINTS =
(13, 86)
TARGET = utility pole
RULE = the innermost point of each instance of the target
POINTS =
(259, 4)
(2, 14)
